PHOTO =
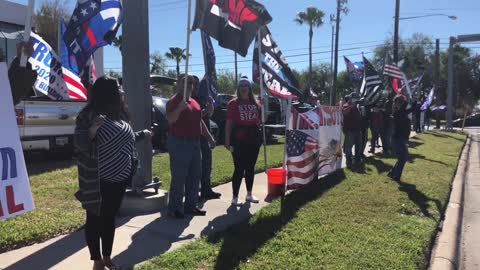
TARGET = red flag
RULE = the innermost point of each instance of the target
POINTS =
(395, 86)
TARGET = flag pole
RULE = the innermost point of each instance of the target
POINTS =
(187, 50)
(262, 96)
(28, 30)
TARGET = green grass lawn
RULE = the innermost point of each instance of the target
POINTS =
(348, 220)
(57, 211)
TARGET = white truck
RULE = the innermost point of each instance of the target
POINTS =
(46, 124)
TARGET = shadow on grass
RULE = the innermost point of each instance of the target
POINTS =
(443, 135)
(414, 143)
(242, 240)
(412, 158)
(378, 164)
(42, 162)
(421, 200)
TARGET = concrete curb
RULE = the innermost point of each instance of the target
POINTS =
(445, 255)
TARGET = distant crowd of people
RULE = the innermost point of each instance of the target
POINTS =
(390, 122)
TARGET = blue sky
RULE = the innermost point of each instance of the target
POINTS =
(368, 23)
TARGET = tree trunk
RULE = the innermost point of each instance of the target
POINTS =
(178, 69)
(310, 33)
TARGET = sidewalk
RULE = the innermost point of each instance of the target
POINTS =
(140, 238)
(470, 237)
(458, 243)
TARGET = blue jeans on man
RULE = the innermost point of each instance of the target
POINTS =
(353, 138)
(400, 146)
(186, 169)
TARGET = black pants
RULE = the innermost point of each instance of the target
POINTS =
(103, 226)
(244, 159)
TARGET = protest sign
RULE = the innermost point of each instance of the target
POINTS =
(15, 195)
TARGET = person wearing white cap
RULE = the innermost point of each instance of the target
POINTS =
(243, 138)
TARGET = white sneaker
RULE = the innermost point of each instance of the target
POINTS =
(251, 198)
(236, 201)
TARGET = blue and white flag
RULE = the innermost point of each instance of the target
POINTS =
(355, 70)
(429, 100)
(210, 71)
(94, 23)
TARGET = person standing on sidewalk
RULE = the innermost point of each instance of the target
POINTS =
(104, 143)
(200, 94)
(351, 130)
(400, 135)
(185, 128)
(243, 138)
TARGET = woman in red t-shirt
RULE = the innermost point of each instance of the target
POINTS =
(243, 138)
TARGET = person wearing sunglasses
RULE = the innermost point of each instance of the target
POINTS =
(243, 138)
(185, 128)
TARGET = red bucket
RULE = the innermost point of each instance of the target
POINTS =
(276, 181)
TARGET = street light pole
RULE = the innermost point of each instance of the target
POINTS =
(395, 36)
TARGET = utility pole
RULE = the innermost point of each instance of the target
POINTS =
(136, 77)
(236, 69)
(333, 93)
(332, 21)
(450, 84)
(395, 36)
(437, 80)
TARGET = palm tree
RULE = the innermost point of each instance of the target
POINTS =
(314, 18)
(177, 54)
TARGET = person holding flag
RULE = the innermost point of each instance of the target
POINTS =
(400, 135)
(21, 78)
(185, 129)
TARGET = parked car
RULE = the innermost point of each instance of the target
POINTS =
(471, 121)
(46, 124)
(160, 124)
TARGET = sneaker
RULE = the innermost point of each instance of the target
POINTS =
(210, 196)
(251, 198)
(236, 201)
(196, 212)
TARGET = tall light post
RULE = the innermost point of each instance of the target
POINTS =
(397, 25)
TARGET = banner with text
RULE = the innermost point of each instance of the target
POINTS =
(53, 79)
(15, 195)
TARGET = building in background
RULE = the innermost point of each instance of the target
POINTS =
(12, 20)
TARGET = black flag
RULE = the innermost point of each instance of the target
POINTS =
(276, 73)
(234, 23)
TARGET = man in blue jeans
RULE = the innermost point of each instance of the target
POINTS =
(351, 129)
(185, 128)
(200, 94)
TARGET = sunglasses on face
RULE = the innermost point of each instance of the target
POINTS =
(243, 85)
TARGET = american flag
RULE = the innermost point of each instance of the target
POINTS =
(301, 158)
(307, 120)
(372, 85)
(94, 23)
(391, 69)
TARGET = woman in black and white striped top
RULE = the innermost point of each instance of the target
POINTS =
(105, 144)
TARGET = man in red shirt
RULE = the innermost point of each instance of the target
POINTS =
(184, 118)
